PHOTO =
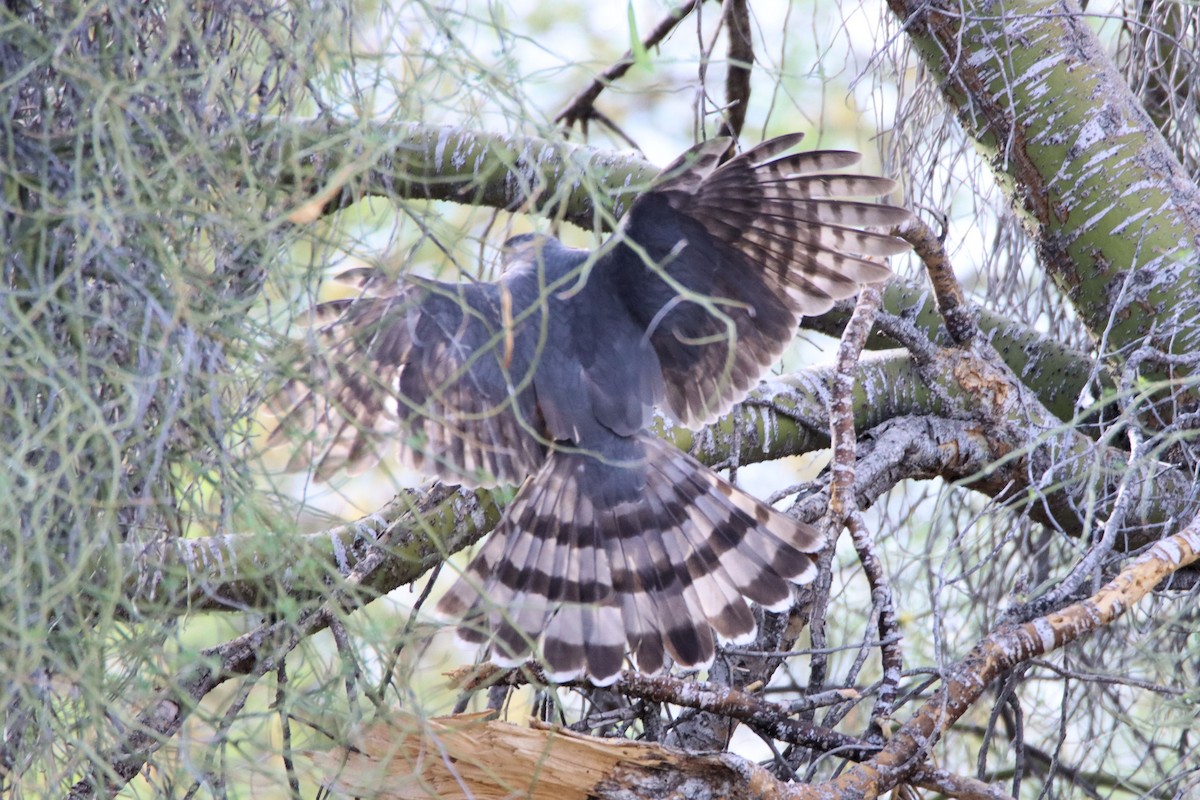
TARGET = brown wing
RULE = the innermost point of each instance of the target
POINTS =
(437, 367)
(719, 262)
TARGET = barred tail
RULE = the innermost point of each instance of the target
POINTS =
(644, 550)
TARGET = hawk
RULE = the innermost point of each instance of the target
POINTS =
(547, 378)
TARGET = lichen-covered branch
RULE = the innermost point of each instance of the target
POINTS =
(1059, 375)
(326, 166)
(1116, 218)
(239, 572)
(1046, 461)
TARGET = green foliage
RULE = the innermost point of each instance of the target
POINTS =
(132, 258)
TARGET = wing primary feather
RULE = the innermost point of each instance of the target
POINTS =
(767, 234)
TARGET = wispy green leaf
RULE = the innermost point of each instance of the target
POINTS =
(641, 56)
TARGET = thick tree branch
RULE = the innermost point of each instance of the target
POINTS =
(328, 165)
(239, 572)
(1059, 375)
(784, 416)
(1116, 218)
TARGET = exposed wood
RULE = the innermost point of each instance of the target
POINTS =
(470, 756)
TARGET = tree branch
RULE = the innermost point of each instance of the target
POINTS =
(765, 716)
(329, 165)
(739, 63)
(1000, 651)
(784, 416)
(261, 650)
(1117, 219)
(1057, 374)
(844, 509)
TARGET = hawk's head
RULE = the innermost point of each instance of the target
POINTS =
(529, 251)
(526, 247)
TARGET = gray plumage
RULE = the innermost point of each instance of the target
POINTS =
(617, 542)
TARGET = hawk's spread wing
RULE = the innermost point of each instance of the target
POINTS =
(444, 368)
(719, 261)
(619, 541)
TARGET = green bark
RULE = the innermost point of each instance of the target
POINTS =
(1116, 218)
(550, 177)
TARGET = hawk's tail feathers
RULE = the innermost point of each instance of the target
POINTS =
(651, 556)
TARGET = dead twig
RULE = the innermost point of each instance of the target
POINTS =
(582, 106)
(843, 504)
(1004, 648)
(763, 715)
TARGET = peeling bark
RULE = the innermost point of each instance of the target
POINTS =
(472, 756)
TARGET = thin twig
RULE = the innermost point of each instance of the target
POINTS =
(843, 503)
(253, 654)
(347, 656)
(285, 727)
(960, 322)
(581, 108)
(763, 715)
(1004, 648)
(1089, 567)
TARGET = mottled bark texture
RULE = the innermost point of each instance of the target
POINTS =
(330, 165)
(1116, 218)
(242, 572)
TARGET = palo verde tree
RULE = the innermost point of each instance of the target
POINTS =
(997, 443)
